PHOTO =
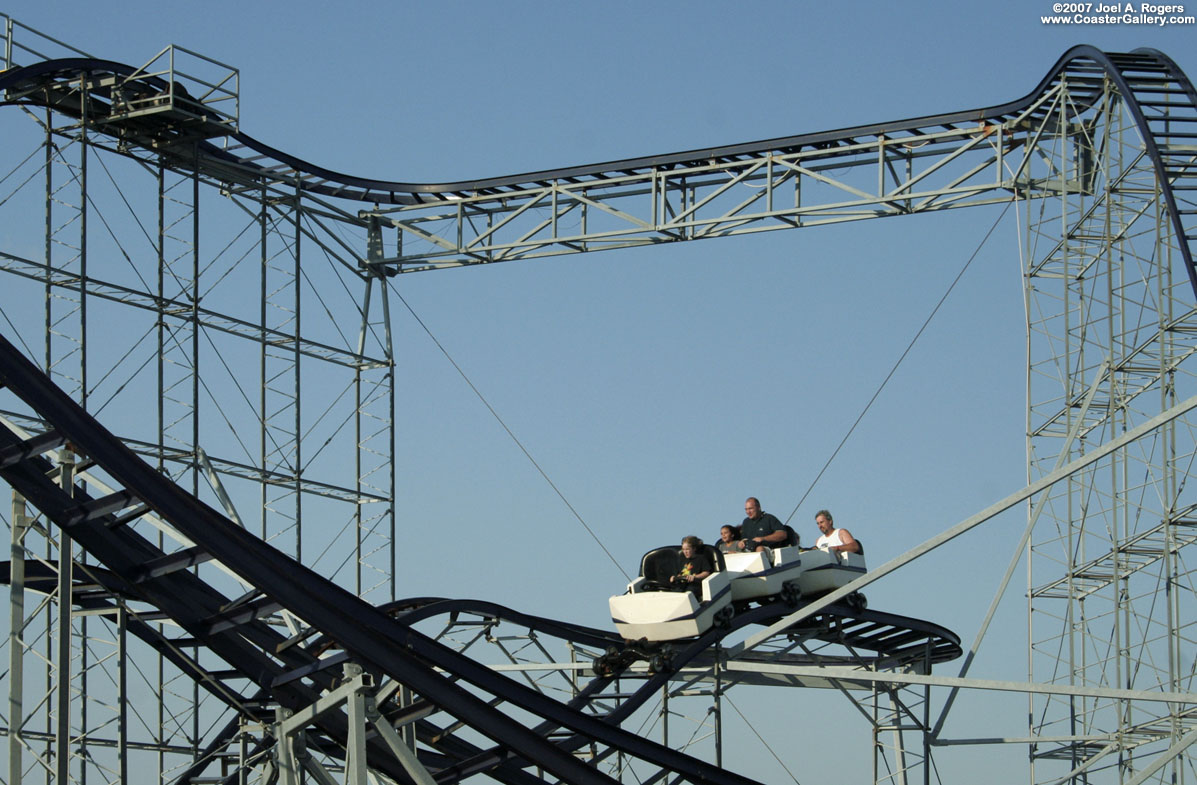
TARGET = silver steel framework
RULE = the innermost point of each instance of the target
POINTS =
(247, 352)
(1111, 325)
(156, 214)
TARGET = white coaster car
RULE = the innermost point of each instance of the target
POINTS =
(824, 571)
(792, 573)
(654, 610)
(763, 574)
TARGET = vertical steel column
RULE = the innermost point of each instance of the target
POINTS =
(160, 357)
(281, 434)
(284, 753)
(888, 720)
(84, 97)
(122, 692)
(899, 741)
(665, 714)
(926, 723)
(359, 532)
(84, 636)
(16, 639)
(263, 371)
(374, 430)
(178, 424)
(880, 760)
(297, 385)
(60, 215)
(62, 694)
(1172, 563)
(718, 705)
(65, 360)
(355, 753)
(619, 756)
(195, 742)
(243, 755)
(64, 259)
(1026, 254)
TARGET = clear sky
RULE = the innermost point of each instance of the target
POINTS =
(658, 387)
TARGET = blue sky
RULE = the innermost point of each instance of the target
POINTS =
(658, 387)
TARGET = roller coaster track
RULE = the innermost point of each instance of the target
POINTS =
(261, 661)
(1158, 94)
(265, 668)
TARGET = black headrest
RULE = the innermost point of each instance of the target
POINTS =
(660, 564)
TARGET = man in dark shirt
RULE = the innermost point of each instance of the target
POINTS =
(761, 530)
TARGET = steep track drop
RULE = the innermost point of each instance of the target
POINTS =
(265, 667)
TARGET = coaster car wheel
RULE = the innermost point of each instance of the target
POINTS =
(660, 663)
(607, 663)
(857, 601)
(791, 593)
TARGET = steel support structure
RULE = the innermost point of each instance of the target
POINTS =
(1104, 163)
(156, 214)
(1111, 323)
(247, 351)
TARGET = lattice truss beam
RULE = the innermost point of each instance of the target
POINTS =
(873, 175)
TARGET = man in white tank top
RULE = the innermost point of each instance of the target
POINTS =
(833, 539)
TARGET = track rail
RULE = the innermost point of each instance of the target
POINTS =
(895, 639)
(262, 662)
(1160, 97)
(232, 628)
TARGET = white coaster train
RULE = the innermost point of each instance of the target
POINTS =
(653, 610)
